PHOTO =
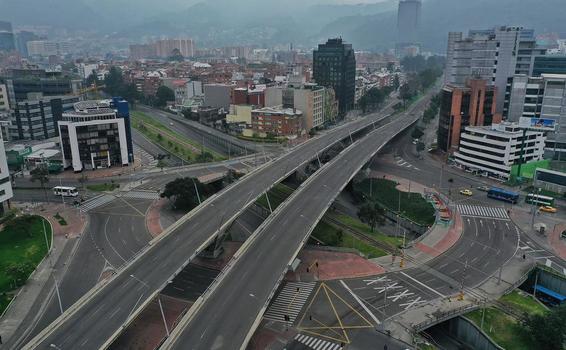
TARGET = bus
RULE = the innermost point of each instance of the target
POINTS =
(503, 195)
(64, 191)
(539, 200)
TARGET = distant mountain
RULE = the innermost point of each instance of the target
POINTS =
(441, 16)
(70, 14)
(268, 22)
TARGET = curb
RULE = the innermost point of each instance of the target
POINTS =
(34, 270)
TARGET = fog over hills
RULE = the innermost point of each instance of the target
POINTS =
(366, 24)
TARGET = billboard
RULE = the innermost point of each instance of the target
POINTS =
(538, 124)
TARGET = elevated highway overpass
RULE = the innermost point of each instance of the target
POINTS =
(101, 313)
(226, 316)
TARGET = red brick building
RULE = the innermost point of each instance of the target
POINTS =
(277, 121)
(461, 106)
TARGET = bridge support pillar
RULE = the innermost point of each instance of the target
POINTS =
(215, 248)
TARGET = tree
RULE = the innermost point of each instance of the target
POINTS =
(176, 56)
(185, 192)
(204, 157)
(161, 164)
(417, 133)
(83, 179)
(92, 79)
(163, 95)
(114, 81)
(41, 174)
(372, 214)
(406, 93)
(549, 329)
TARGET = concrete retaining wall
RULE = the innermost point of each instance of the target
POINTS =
(466, 332)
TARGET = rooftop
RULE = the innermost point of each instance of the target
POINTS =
(279, 110)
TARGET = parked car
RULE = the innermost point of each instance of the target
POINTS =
(466, 192)
(548, 209)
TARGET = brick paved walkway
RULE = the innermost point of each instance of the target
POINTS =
(153, 217)
(331, 266)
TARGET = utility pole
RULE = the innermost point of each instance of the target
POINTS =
(196, 190)
(268, 202)
(163, 315)
(534, 206)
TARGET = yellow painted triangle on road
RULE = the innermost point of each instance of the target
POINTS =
(335, 329)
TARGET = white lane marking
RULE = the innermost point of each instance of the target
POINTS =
(424, 285)
(373, 317)
(411, 303)
(114, 313)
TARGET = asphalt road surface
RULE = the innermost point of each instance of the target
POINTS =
(116, 231)
(97, 316)
(246, 288)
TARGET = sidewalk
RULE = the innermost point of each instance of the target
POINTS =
(435, 242)
(331, 266)
(101, 173)
(64, 240)
(441, 309)
(522, 217)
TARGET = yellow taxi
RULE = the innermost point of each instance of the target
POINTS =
(466, 192)
(548, 209)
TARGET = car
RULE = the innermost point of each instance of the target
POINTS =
(483, 188)
(171, 123)
(548, 209)
(466, 192)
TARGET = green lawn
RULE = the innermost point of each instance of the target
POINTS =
(172, 141)
(413, 205)
(503, 329)
(523, 303)
(261, 139)
(22, 247)
(277, 195)
(361, 227)
(107, 186)
(330, 236)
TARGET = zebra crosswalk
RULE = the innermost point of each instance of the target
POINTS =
(289, 301)
(146, 158)
(141, 195)
(316, 343)
(483, 212)
(96, 202)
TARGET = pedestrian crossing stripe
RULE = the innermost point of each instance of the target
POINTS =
(289, 301)
(96, 202)
(141, 195)
(483, 212)
(144, 153)
(316, 343)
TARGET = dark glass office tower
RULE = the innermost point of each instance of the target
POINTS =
(334, 65)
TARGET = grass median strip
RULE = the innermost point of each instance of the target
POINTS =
(413, 205)
(172, 141)
(335, 237)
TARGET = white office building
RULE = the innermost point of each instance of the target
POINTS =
(493, 150)
(5, 184)
(93, 136)
(4, 103)
(542, 97)
(494, 55)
